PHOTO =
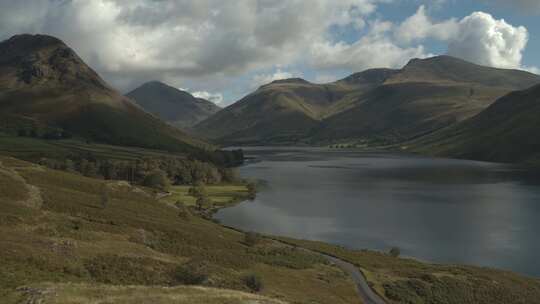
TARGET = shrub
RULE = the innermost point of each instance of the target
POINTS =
(254, 282)
(157, 179)
(192, 273)
(394, 252)
(251, 238)
(183, 210)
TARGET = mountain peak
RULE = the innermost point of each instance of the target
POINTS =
(371, 76)
(39, 59)
(436, 60)
(290, 80)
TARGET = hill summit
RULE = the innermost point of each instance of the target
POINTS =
(175, 106)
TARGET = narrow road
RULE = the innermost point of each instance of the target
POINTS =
(364, 291)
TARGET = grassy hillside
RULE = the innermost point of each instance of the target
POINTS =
(95, 293)
(374, 106)
(59, 237)
(55, 228)
(409, 281)
(177, 107)
(505, 132)
(43, 80)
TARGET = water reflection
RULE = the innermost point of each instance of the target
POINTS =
(441, 210)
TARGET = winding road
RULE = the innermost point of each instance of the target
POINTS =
(364, 291)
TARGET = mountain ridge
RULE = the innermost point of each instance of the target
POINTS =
(177, 107)
(431, 93)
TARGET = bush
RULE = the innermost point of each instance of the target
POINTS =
(192, 273)
(394, 252)
(157, 179)
(251, 238)
(183, 210)
(254, 282)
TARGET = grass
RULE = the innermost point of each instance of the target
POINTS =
(93, 293)
(139, 247)
(220, 195)
(136, 240)
(409, 281)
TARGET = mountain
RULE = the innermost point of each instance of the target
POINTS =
(285, 111)
(43, 80)
(177, 107)
(377, 105)
(504, 132)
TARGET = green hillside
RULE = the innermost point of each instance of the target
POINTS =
(60, 239)
(504, 132)
(374, 106)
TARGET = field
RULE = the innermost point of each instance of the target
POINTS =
(56, 229)
(219, 195)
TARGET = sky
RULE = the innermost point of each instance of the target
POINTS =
(222, 50)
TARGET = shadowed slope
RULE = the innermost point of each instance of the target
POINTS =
(507, 131)
(177, 107)
(43, 79)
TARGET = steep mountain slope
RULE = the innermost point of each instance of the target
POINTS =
(285, 111)
(424, 96)
(42, 79)
(507, 131)
(378, 105)
(177, 107)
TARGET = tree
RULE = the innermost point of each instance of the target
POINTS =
(157, 179)
(394, 252)
(203, 202)
(105, 198)
(198, 190)
(254, 282)
(252, 190)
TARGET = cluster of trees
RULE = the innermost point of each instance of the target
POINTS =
(156, 172)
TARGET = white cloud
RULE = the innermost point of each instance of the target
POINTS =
(214, 45)
(376, 49)
(130, 41)
(216, 98)
(485, 40)
(265, 78)
(478, 38)
(419, 27)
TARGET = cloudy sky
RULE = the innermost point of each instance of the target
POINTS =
(222, 50)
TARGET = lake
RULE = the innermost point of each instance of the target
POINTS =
(438, 210)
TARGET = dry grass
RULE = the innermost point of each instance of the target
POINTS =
(136, 240)
(92, 293)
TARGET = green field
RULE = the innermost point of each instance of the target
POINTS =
(219, 195)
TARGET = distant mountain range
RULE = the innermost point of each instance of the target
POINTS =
(507, 131)
(43, 80)
(175, 106)
(441, 105)
(375, 106)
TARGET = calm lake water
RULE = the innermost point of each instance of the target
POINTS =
(439, 210)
